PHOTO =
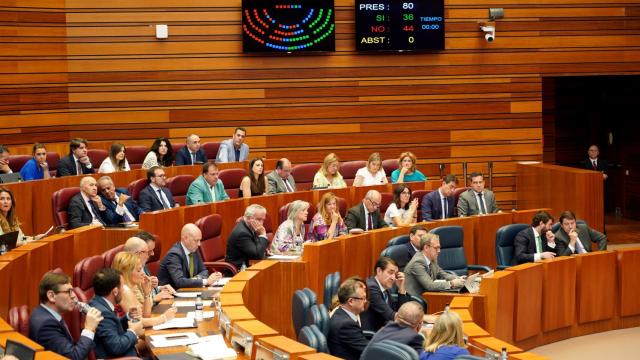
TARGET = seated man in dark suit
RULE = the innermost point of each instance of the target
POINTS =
(192, 153)
(578, 238)
(182, 266)
(346, 339)
(405, 328)
(248, 239)
(412, 246)
(123, 208)
(434, 202)
(594, 162)
(115, 337)
(77, 162)
(386, 294)
(156, 196)
(46, 325)
(4, 160)
(87, 207)
(280, 180)
(537, 242)
(366, 215)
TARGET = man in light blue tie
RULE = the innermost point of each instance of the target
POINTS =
(537, 242)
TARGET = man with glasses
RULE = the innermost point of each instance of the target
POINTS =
(366, 216)
(122, 206)
(144, 249)
(346, 339)
(156, 196)
(280, 180)
(440, 204)
(48, 328)
(182, 267)
(422, 273)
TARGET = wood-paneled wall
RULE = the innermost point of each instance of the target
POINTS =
(94, 69)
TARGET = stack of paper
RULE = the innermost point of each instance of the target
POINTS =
(187, 294)
(175, 323)
(284, 257)
(177, 339)
(212, 348)
(221, 282)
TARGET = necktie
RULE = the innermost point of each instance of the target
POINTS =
(579, 248)
(164, 203)
(385, 296)
(94, 211)
(286, 184)
(595, 166)
(538, 244)
(370, 225)
(433, 277)
(192, 265)
(483, 208)
(193, 158)
(64, 325)
(78, 168)
(444, 208)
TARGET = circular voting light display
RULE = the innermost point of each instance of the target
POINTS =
(288, 25)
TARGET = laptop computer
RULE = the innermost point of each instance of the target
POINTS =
(10, 178)
(9, 240)
(22, 352)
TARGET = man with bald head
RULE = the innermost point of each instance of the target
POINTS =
(140, 247)
(192, 153)
(86, 207)
(366, 216)
(122, 206)
(405, 328)
(280, 180)
(182, 267)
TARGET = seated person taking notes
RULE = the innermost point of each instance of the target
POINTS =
(366, 215)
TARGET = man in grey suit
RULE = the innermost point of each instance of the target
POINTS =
(405, 328)
(422, 273)
(234, 149)
(578, 238)
(477, 200)
(280, 180)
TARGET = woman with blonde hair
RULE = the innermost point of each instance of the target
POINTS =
(327, 222)
(446, 340)
(372, 174)
(290, 234)
(136, 293)
(116, 161)
(406, 170)
(329, 175)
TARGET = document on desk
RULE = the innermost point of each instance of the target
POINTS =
(187, 294)
(176, 323)
(177, 339)
(191, 303)
(212, 348)
(221, 282)
(284, 257)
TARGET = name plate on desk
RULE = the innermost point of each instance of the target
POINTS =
(265, 353)
(225, 325)
(242, 339)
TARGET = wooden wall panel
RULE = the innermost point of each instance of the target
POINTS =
(95, 70)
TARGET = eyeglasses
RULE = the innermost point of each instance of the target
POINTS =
(373, 203)
(435, 247)
(69, 291)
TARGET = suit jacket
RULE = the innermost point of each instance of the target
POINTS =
(355, 218)
(183, 156)
(67, 167)
(432, 206)
(602, 165)
(199, 191)
(174, 269)
(467, 204)
(586, 235)
(275, 184)
(403, 259)
(52, 335)
(244, 244)
(402, 334)
(418, 277)
(148, 199)
(346, 339)
(227, 153)
(112, 338)
(524, 246)
(130, 204)
(380, 311)
(79, 214)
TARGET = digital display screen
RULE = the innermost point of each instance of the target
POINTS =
(394, 25)
(288, 25)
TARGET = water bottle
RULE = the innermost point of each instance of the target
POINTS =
(243, 267)
(3, 249)
(446, 308)
(199, 308)
(83, 307)
(503, 354)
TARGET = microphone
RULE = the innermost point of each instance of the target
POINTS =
(488, 353)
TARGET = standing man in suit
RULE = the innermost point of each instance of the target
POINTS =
(234, 149)
(115, 337)
(4, 160)
(578, 238)
(46, 325)
(346, 339)
(422, 273)
(366, 215)
(77, 162)
(192, 153)
(405, 328)
(280, 180)
(386, 294)
(477, 200)
(123, 208)
(248, 239)
(439, 204)
(593, 162)
(537, 242)
(182, 266)
(411, 247)
(87, 207)
(156, 196)
(207, 187)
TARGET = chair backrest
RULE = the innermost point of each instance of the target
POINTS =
(451, 255)
(136, 155)
(211, 247)
(331, 286)
(456, 196)
(284, 210)
(211, 149)
(60, 202)
(312, 336)
(53, 158)
(97, 156)
(389, 166)
(397, 253)
(179, 185)
(319, 316)
(231, 178)
(387, 198)
(16, 162)
(398, 240)
(419, 194)
(176, 147)
(136, 186)
(348, 170)
(84, 271)
(153, 264)
(342, 206)
(108, 255)
(504, 242)
(19, 319)
(303, 175)
(389, 350)
(300, 305)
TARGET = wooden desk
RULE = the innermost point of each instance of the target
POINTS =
(500, 307)
(48, 355)
(17, 337)
(528, 300)
(492, 344)
(245, 333)
(281, 344)
(38, 257)
(18, 294)
(592, 285)
(484, 237)
(4, 326)
(629, 281)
